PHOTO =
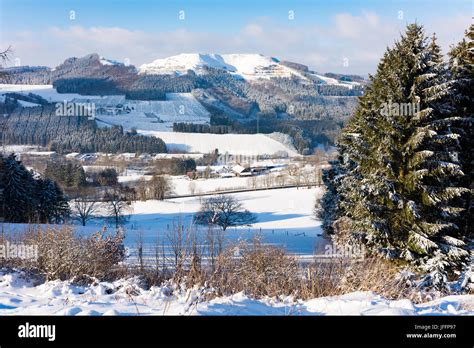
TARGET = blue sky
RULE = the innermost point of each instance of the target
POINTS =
(321, 34)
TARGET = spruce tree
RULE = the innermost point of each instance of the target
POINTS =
(18, 186)
(52, 204)
(399, 166)
(461, 67)
(26, 199)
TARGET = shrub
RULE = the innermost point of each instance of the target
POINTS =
(63, 255)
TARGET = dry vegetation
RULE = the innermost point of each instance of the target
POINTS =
(64, 255)
(256, 269)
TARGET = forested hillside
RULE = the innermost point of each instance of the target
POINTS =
(41, 126)
(230, 98)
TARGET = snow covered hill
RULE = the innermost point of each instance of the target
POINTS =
(236, 144)
(248, 66)
(332, 81)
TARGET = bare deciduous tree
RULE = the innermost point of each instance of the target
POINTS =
(4, 56)
(252, 182)
(224, 211)
(192, 187)
(84, 209)
(85, 204)
(159, 187)
(117, 205)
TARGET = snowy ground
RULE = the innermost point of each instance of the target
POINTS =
(158, 115)
(21, 296)
(284, 218)
(241, 144)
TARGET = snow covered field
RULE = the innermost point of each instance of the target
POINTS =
(284, 218)
(156, 115)
(159, 115)
(20, 296)
(241, 144)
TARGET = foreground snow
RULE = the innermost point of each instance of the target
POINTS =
(20, 296)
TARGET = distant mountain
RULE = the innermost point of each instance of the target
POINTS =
(233, 87)
(245, 92)
(91, 65)
(247, 66)
(250, 67)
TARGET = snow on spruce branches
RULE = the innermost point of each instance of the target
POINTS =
(403, 180)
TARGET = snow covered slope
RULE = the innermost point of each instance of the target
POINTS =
(248, 66)
(236, 144)
(332, 81)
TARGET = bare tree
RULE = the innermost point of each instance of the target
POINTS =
(269, 180)
(295, 173)
(4, 56)
(141, 189)
(179, 238)
(192, 187)
(117, 205)
(140, 245)
(307, 177)
(160, 187)
(85, 204)
(84, 208)
(319, 156)
(224, 211)
(281, 179)
(318, 176)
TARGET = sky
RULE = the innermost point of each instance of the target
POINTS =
(342, 36)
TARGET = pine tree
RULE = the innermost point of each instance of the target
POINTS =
(401, 173)
(52, 205)
(60, 209)
(19, 203)
(25, 199)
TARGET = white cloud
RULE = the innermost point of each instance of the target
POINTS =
(360, 38)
